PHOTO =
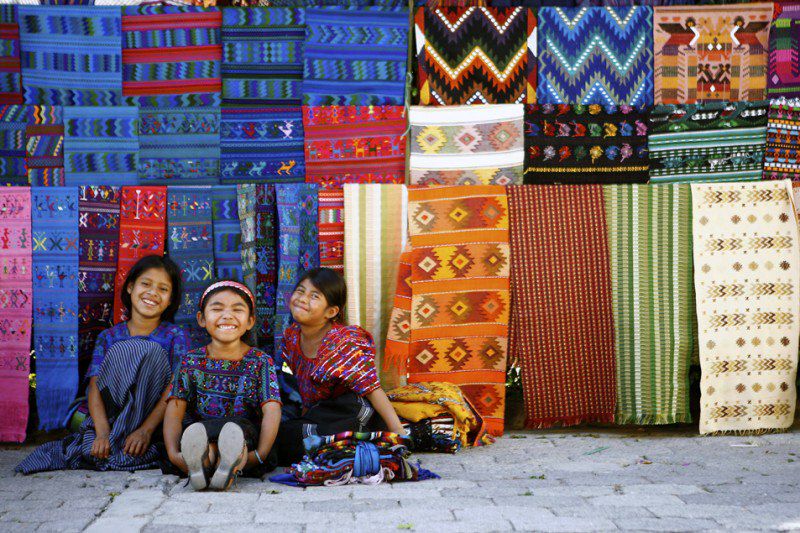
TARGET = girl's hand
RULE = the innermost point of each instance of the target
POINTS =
(101, 447)
(137, 442)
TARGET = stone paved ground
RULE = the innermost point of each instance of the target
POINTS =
(564, 480)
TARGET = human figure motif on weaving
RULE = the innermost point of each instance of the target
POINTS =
(475, 55)
(782, 156)
(44, 146)
(711, 53)
(783, 78)
(747, 273)
(13, 123)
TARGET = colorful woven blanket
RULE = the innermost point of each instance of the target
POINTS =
(354, 144)
(375, 229)
(227, 232)
(266, 249)
(15, 311)
(44, 141)
(355, 55)
(562, 328)
(331, 228)
(782, 155)
(472, 55)
(98, 230)
(747, 274)
(262, 55)
(716, 141)
(467, 145)
(55, 301)
(71, 55)
(585, 144)
(171, 56)
(13, 123)
(596, 55)
(246, 208)
(711, 53)
(142, 231)
(650, 243)
(10, 70)
(263, 144)
(101, 145)
(783, 78)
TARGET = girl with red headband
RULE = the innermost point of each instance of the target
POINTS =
(230, 392)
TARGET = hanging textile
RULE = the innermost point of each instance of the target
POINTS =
(471, 55)
(331, 228)
(98, 230)
(44, 141)
(782, 157)
(375, 229)
(13, 122)
(55, 301)
(246, 209)
(142, 229)
(227, 233)
(562, 328)
(355, 55)
(467, 145)
(354, 144)
(191, 246)
(711, 53)
(266, 264)
(71, 55)
(596, 55)
(101, 145)
(747, 273)
(10, 70)
(262, 144)
(650, 243)
(15, 311)
(298, 250)
(262, 55)
(716, 141)
(783, 79)
(585, 144)
(171, 56)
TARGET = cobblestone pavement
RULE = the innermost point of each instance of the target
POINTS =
(563, 480)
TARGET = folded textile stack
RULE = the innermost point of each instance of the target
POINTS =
(354, 457)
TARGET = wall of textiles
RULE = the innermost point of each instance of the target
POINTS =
(548, 184)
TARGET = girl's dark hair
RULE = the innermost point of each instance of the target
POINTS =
(235, 290)
(332, 286)
(147, 263)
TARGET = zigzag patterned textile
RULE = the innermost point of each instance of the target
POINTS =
(179, 145)
(142, 230)
(55, 301)
(171, 56)
(467, 145)
(98, 230)
(596, 55)
(263, 144)
(101, 145)
(331, 228)
(227, 232)
(191, 246)
(15, 311)
(44, 141)
(13, 122)
(475, 55)
(782, 156)
(561, 288)
(10, 69)
(262, 56)
(783, 78)
(747, 273)
(711, 53)
(355, 55)
(266, 264)
(298, 249)
(71, 56)
(585, 144)
(650, 243)
(354, 144)
(716, 141)
(375, 229)
(246, 209)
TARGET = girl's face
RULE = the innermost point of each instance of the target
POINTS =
(226, 317)
(309, 306)
(151, 293)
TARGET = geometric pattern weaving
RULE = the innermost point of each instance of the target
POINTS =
(44, 140)
(784, 52)
(10, 71)
(782, 157)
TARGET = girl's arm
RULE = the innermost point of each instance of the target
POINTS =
(384, 407)
(271, 412)
(175, 411)
(101, 448)
(139, 440)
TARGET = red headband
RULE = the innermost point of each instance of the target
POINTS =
(231, 284)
